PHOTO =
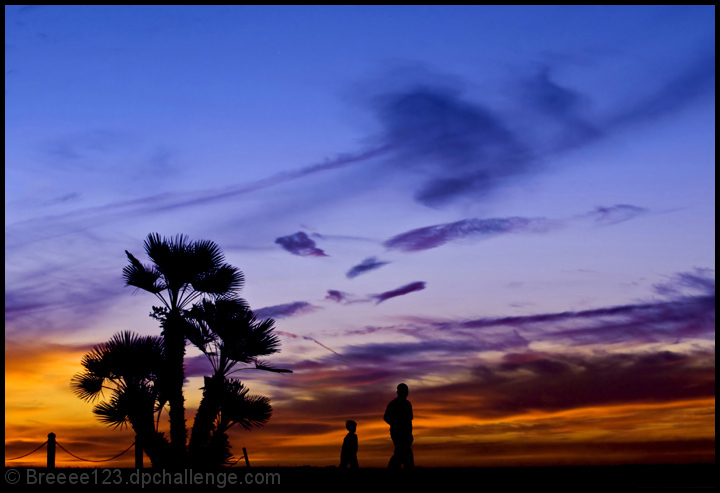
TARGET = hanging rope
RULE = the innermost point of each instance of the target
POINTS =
(41, 446)
(90, 460)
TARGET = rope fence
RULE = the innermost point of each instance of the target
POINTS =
(51, 443)
(23, 456)
(91, 460)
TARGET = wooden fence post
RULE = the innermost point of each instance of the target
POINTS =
(247, 461)
(51, 451)
(138, 452)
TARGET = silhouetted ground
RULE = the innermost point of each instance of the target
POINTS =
(576, 478)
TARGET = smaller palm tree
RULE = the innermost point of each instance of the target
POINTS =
(229, 334)
(129, 368)
(235, 407)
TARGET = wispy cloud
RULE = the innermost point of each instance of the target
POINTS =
(617, 213)
(51, 299)
(466, 150)
(688, 313)
(335, 295)
(300, 244)
(684, 87)
(84, 148)
(348, 298)
(366, 265)
(683, 285)
(401, 291)
(463, 147)
(285, 310)
(439, 234)
(306, 338)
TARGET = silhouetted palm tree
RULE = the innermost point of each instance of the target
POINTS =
(181, 272)
(129, 366)
(228, 333)
(236, 407)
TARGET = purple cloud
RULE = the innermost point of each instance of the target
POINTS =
(686, 316)
(300, 244)
(463, 148)
(434, 236)
(346, 298)
(408, 288)
(366, 265)
(286, 310)
(690, 314)
(668, 322)
(685, 284)
(538, 381)
(335, 295)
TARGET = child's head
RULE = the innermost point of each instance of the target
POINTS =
(351, 425)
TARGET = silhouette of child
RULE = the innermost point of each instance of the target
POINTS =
(348, 454)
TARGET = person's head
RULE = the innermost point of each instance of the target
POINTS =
(351, 425)
(402, 390)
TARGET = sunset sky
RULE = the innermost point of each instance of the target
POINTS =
(510, 209)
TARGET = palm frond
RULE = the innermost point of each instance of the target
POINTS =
(200, 335)
(240, 335)
(207, 255)
(261, 365)
(140, 276)
(87, 386)
(131, 356)
(127, 358)
(171, 257)
(219, 281)
(250, 338)
(237, 407)
(114, 413)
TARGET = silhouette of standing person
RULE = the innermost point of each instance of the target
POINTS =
(348, 453)
(399, 415)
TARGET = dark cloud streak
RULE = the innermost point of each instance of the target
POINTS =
(366, 265)
(300, 244)
(285, 310)
(439, 234)
(401, 291)
(464, 148)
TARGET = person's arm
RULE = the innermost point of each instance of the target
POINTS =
(388, 414)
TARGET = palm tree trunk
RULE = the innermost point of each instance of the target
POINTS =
(205, 419)
(155, 444)
(174, 354)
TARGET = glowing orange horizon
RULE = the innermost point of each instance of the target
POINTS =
(38, 400)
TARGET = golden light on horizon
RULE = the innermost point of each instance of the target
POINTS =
(38, 399)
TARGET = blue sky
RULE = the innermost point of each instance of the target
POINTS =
(476, 162)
